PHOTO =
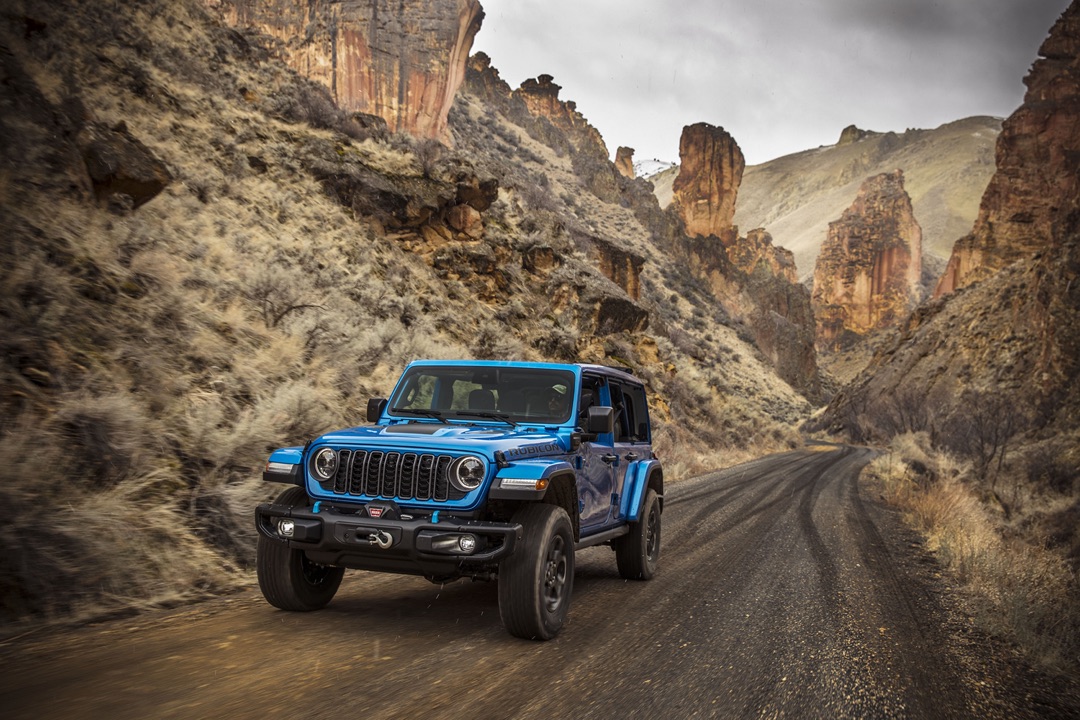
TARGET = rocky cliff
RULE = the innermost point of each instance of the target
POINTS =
(867, 273)
(624, 161)
(710, 170)
(749, 281)
(1038, 168)
(753, 279)
(402, 61)
(946, 170)
(1012, 329)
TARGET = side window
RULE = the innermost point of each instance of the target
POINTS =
(635, 413)
(590, 396)
(622, 421)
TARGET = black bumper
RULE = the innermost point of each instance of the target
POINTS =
(350, 540)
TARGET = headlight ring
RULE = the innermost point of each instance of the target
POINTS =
(467, 473)
(324, 464)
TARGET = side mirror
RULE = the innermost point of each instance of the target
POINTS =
(601, 420)
(375, 407)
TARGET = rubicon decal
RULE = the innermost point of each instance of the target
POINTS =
(545, 449)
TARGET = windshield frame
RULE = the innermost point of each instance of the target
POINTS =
(523, 394)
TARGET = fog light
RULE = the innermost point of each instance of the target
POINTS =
(467, 544)
(455, 544)
(286, 527)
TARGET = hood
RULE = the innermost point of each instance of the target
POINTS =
(486, 439)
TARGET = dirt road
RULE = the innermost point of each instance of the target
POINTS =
(782, 592)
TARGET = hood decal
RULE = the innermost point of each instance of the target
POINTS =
(532, 450)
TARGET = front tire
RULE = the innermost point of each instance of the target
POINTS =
(287, 578)
(638, 553)
(536, 581)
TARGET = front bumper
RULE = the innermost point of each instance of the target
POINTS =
(346, 538)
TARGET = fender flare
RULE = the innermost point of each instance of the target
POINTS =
(539, 471)
(636, 485)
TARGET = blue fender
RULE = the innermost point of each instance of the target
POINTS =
(634, 488)
(524, 479)
(535, 469)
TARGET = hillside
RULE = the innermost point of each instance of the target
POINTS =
(795, 197)
(205, 258)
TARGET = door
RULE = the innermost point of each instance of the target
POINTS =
(596, 460)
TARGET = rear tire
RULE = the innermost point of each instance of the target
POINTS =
(639, 552)
(536, 581)
(289, 580)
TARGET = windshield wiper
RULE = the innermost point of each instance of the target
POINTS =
(486, 414)
(424, 413)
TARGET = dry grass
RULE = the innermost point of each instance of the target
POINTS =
(1020, 589)
(152, 359)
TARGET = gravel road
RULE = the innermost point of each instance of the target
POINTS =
(783, 591)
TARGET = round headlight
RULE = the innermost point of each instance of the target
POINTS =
(324, 464)
(467, 473)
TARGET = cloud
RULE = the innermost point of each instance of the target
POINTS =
(780, 75)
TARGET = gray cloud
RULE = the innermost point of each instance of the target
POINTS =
(780, 75)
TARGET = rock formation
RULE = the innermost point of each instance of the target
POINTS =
(541, 97)
(483, 81)
(1038, 167)
(755, 281)
(624, 161)
(756, 250)
(402, 60)
(1012, 326)
(867, 273)
(711, 168)
(750, 278)
(852, 134)
(124, 173)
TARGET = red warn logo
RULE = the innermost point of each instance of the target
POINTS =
(375, 512)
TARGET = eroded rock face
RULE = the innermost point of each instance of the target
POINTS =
(120, 165)
(620, 265)
(756, 252)
(402, 60)
(1011, 327)
(624, 161)
(711, 168)
(541, 97)
(1038, 166)
(867, 273)
(774, 310)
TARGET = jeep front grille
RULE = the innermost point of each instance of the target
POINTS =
(397, 475)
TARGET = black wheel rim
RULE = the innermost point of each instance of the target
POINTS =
(314, 573)
(556, 568)
(652, 535)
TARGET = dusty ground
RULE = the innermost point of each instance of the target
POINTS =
(783, 592)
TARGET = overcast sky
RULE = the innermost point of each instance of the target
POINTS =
(780, 75)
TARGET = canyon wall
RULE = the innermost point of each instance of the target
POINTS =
(1007, 319)
(1038, 167)
(402, 61)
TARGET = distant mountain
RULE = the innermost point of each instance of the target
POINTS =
(648, 168)
(795, 197)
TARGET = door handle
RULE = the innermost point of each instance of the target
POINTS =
(632, 456)
(609, 458)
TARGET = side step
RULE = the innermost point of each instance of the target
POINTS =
(603, 537)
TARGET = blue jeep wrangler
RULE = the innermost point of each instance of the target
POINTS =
(471, 469)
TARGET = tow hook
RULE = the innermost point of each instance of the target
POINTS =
(381, 538)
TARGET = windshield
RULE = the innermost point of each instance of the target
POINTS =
(516, 395)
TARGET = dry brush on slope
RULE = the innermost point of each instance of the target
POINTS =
(204, 259)
(989, 370)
